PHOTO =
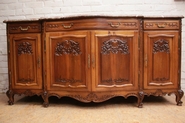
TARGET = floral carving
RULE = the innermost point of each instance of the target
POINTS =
(114, 46)
(24, 48)
(161, 46)
(161, 79)
(115, 80)
(17, 28)
(67, 47)
(13, 28)
(130, 24)
(92, 97)
(67, 80)
(161, 25)
(53, 25)
(173, 24)
(35, 27)
(29, 93)
(25, 80)
(107, 80)
(141, 24)
(149, 25)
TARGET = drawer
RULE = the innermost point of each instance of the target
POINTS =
(161, 24)
(24, 27)
(99, 23)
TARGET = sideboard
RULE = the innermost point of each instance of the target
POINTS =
(95, 58)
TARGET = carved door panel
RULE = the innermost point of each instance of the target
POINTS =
(67, 55)
(115, 60)
(161, 62)
(25, 61)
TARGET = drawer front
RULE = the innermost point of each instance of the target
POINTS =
(24, 27)
(114, 24)
(161, 24)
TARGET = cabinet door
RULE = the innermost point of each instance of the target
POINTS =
(114, 60)
(25, 61)
(67, 56)
(161, 62)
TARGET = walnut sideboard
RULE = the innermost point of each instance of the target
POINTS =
(95, 58)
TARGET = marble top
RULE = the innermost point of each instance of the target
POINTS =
(92, 16)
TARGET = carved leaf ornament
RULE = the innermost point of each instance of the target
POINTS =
(115, 80)
(115, 46)
(67, 47)
(24, 48)
(161, 79)
(161, 46)
(25, 80)
(67, 80)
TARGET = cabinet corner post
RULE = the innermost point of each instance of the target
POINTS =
(8, 46)
(10, 93)
(139, 42)
(44, 44)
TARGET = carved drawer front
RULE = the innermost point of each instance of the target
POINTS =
(24, 27)
(161, 24)
(100, 23)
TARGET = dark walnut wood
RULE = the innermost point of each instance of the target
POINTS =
(95, 58)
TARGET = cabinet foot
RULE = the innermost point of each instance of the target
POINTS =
(10, 95)
(140, 99)
(179, 95)
(45, 98)
(45, 104)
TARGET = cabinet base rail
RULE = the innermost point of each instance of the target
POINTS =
(95, 97)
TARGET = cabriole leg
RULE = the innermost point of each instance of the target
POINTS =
(140, 99)
(179, 95)
(10, 95)
(45, 98)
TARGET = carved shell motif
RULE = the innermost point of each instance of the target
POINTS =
(161, 45)
(67, 47)
(115, 46)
